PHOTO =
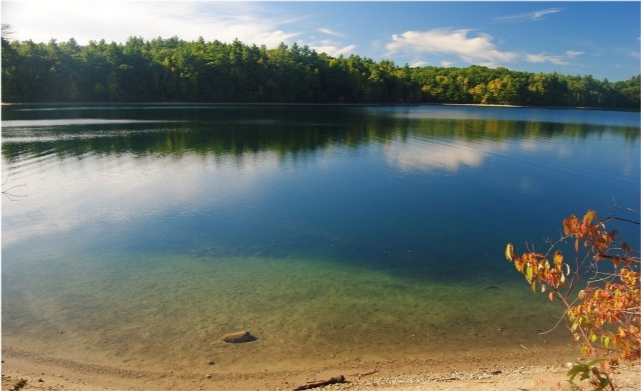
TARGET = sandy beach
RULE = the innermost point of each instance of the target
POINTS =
(529, 369)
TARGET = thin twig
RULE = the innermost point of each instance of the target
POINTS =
(365, 374)
(9, 195)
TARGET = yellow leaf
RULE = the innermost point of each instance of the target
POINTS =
(551, 296)
(589, 216)
(558, 260)
(529, 273)
(519, 265)
(509, 252)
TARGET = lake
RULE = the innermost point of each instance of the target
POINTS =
(136, 236)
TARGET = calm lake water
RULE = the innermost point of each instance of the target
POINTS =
(137, 235)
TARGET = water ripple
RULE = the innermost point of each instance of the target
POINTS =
(72, 121)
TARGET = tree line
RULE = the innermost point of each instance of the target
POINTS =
(173, 69)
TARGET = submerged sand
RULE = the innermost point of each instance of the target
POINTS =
(498, 369)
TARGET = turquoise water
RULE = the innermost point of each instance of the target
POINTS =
(139, 235)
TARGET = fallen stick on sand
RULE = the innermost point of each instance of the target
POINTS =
(365, 374)
(334, 380)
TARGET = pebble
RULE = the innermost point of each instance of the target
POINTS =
(238, 337)
(211, 362)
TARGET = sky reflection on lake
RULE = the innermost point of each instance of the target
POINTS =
(395, 216)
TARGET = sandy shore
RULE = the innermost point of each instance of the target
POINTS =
(515, 370)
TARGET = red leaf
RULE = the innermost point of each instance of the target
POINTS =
(626, 248)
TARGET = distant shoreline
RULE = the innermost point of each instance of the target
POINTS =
(165, 103)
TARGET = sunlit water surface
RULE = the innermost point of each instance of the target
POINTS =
(137, 236)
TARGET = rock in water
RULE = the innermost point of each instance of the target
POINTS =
(239, 337)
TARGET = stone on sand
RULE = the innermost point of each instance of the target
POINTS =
(238, 337)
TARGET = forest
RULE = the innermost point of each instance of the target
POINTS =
(175, 70)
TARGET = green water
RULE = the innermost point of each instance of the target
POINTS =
(139, 236)
(169, 312)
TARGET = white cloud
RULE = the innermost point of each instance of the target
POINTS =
(477, 49)
(331, 48)
(117, 21)
(554, 59)
(529, 16)
(544, 57)
(417, 62)
(573, 53)
(331, 32)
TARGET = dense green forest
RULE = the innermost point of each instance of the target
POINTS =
(199, 71)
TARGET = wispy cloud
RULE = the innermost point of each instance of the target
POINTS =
(554, 59)
(528, 17)
(117, 21)
(332, 48)
(417, 62)
(573, 53)
(478, 49)
(331, 32)
(636, 53)
(544, 57)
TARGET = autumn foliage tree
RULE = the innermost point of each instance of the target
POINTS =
(604, 316)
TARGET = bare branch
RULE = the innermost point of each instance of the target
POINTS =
(613, 217)
(10, 195)
(614, 204)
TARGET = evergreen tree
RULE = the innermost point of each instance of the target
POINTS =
(200, 71)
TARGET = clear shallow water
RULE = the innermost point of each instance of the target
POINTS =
(330, 232)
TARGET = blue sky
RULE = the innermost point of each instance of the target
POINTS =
(597, 38)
